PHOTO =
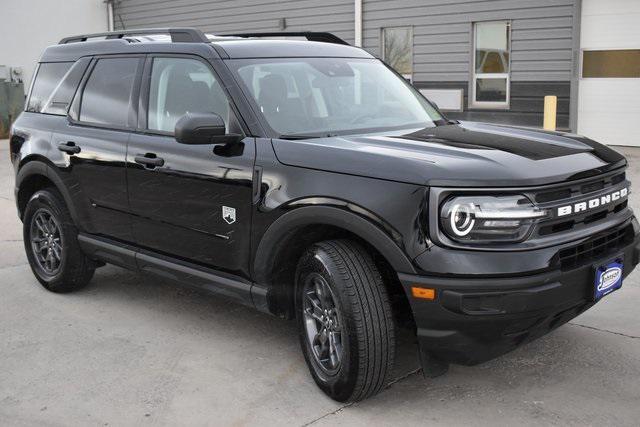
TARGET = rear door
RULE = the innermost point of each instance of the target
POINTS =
(94, 142)
(190, 201)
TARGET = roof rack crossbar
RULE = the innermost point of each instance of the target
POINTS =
(178, 35)
(309, 35)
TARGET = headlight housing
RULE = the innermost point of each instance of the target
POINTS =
(489, 219)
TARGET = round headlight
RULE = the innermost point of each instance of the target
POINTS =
(462, 220)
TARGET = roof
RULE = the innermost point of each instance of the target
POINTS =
(186, 40)
(258, 48)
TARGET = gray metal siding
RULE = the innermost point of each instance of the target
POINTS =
(541, 35)
(527, 103)
(228, 16)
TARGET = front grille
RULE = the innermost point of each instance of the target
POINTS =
(574, 190)
(596, 247)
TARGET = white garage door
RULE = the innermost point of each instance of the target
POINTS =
(609, 87)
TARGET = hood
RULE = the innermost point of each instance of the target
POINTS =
(465, 154)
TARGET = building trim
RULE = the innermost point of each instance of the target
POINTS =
(575, 66)
(357, 19)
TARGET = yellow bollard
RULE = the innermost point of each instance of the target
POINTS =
(550, 107)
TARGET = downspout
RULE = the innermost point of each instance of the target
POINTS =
(110, 21)
(575, 67)
(358, 23)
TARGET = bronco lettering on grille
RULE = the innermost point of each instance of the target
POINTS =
(592, 203)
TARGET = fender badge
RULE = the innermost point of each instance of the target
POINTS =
(229, 214)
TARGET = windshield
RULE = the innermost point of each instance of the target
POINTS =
(328, 96)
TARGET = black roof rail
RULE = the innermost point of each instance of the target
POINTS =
(178, 35)
(309, 35)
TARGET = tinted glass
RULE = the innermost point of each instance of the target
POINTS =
(492, 47)
(49, 75)
(180, 86)
(105, 99)
(398, 49)
(611, 63)
(327, 95)
(58, 102)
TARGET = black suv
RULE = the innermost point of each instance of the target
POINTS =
(307, 179)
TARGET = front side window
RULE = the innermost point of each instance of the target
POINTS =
(397, 49)
(107, 94)
(325, 96)
(47, 79)
(180, 86)
(490, 85)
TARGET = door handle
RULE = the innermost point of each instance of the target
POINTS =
(69, 147)
(149, 160)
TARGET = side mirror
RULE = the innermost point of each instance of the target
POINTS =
(202, 129)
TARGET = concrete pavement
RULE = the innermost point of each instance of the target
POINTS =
(134, 350)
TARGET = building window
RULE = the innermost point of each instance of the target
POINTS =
(624, 63)
(397, 49)
(491, 47)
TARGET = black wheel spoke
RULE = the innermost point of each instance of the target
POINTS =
(321, 321)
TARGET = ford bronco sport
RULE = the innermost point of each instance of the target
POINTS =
(307, 179)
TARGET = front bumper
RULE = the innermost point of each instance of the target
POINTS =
(475, 318)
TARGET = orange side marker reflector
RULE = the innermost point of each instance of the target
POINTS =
(423, 293)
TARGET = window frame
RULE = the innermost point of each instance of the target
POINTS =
(489, 105)
(408, 77)
(145, 91)
(73, 116)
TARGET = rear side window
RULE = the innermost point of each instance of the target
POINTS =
(107, 94)
(47, 79)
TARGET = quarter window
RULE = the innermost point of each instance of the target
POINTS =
(180, 86)
(398, 49)
(107, 94)
(47, 79)
(490, 85)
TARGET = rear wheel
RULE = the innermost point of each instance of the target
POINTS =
(344, 320)
(50, 240)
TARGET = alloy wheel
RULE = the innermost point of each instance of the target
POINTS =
(322, 323)
(46, 241)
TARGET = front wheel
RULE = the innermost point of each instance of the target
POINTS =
(344, 320)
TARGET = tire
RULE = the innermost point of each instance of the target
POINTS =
(47, 226)
(350, 347)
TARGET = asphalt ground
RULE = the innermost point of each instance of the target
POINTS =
(134, 350)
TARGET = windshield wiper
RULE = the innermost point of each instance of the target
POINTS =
(294, 136)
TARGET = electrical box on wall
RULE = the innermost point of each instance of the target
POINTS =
(11, 104)
(4, 73)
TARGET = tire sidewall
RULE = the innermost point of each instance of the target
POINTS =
(45, 199)
(341, 384)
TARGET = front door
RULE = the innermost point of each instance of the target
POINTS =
(189, 201)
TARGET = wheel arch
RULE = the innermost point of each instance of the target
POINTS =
(286, 239)
(35, 174)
